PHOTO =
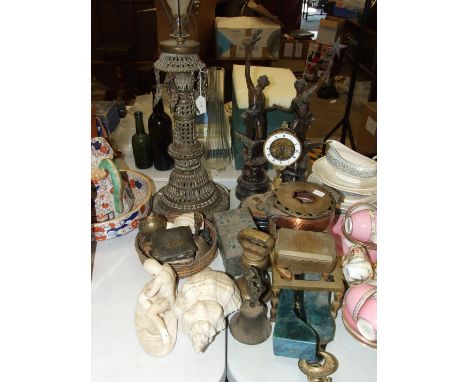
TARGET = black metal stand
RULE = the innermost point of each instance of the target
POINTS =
(345, 120)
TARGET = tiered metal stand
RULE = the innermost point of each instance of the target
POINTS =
(189, 187)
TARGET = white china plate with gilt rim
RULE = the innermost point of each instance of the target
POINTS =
(332, 177)
(347, 198)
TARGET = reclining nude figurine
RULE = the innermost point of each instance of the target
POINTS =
(155, 320)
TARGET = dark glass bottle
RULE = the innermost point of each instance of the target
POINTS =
(160, 129)
(141, 144)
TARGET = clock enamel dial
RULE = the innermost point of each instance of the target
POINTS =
(282, 148)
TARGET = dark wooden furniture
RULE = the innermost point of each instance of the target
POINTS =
(123, 46)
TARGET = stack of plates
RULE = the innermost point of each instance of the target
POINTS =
(347, 171)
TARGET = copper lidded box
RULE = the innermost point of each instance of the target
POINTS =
(303, 206)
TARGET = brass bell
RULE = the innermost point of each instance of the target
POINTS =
(251, 325)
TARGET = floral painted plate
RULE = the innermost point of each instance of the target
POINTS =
(143, 189)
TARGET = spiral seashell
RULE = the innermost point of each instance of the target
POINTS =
(202, 305)
(356, 266)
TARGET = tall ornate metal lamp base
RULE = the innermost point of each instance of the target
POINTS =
(189, 187)
(219, 202)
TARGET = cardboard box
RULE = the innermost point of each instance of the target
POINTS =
(330, 28)
(366, 142)
(294, 48)
(296, 65)
(231, 31)
(340, 10)
(108, 112)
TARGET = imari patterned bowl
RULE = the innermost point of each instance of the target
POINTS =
(142, 188)
(349, 161)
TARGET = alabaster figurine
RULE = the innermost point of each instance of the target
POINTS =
(203, 304)
(255, 115)
(111, 196)
(155, 319)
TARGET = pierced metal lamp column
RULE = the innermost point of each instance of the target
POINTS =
(189, 187)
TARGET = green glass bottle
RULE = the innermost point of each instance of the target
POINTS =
(141, 144)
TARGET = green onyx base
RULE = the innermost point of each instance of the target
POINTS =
(295, 337)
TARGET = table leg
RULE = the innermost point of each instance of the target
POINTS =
(274, 302)
(336, 304)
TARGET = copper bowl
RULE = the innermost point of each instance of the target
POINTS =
(316, 225)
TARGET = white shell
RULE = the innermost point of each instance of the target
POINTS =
(202, 305)
(155, 319)
(357, 267)
(187, 219)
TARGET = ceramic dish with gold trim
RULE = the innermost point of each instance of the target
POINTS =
(333, 177)
(349, 161)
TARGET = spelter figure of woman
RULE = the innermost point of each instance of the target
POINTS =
(300, 107)
(303, 117)
(253, 179)
(255, 115)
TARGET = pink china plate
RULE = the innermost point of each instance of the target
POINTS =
(352, 329)
(143, 189)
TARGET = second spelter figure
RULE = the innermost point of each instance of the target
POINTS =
(302, 120)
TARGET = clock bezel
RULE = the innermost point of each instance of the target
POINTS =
(285, 134)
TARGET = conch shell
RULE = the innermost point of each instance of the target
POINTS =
(357, 267)
(155, 319)
(202, 305)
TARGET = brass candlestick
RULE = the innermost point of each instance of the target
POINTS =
(189, 187)
(318, 372)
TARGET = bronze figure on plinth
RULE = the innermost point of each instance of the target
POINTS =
(300, 107)
(303, 117)
(255, 115)
(253, 179)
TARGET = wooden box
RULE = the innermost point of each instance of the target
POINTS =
(305, 251)
(366, 142)
(330, 29)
